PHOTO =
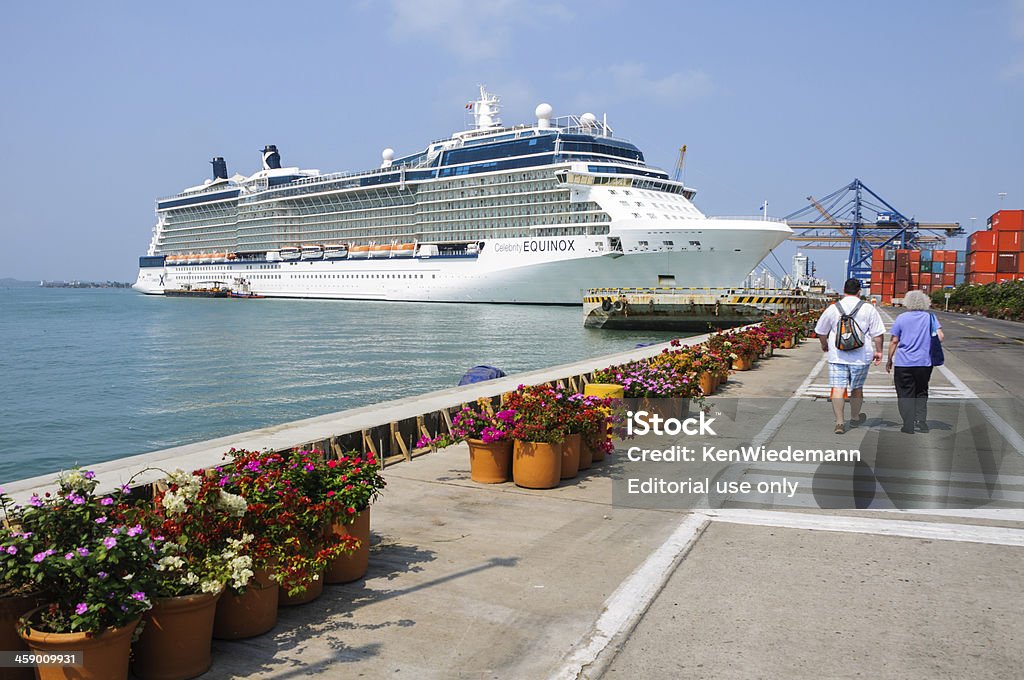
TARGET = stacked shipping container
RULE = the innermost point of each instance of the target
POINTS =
(894, 272)
(995, 255)
(992, 256)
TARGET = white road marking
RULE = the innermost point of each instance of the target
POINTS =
(968, 533)
(631, 599)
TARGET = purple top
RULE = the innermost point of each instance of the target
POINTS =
(914, 329)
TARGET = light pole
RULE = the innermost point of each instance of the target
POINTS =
(1002, 195)
(973, 220)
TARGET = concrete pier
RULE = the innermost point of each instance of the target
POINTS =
(493, 581)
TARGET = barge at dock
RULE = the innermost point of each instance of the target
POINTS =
(528, 214)
(690, 309)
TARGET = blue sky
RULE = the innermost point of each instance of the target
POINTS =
(108, 106)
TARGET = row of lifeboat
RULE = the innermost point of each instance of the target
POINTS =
(199, 258)
(343, 251)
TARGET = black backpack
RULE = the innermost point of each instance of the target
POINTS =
(848, 334)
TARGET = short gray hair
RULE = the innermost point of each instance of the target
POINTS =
(917, 300)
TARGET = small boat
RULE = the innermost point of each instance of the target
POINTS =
(245, 296)
(359, 252)
(403, 250)
(273, 256)
(380, 250)
(312, 252)
(291, 253)
(335, 252)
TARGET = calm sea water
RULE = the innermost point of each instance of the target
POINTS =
(94, 374)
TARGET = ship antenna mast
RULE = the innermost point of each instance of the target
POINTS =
(486, 109)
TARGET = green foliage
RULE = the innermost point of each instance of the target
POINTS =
(996, 300)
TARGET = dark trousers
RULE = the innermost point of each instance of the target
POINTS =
(912, 393)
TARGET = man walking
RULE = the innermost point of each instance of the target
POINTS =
(848, 361)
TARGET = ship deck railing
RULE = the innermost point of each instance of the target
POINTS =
(749, 218)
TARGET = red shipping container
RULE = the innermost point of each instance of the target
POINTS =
(983, 262)
(1007, 263)
(1008, 241)
(926, 279)
(915, 257)
(878, 254)
(981, 278)
(1007, 220)
(888, 278)
(889, 266)
(982, 241)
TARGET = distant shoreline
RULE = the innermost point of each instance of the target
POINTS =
(17, 283)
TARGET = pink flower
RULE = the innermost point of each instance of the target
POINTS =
(109, 542)
(81, 608)
(107, 501)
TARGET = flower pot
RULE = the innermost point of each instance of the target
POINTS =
(723, 377)
(176, 638)
(788, 343)
(536, 465)
(491, 462)
(352, 567)
(571, 456)
(586, 454)
(665, 407)
(707, 383)
(597, 452)
(12, 608)
(104, 655)
(250, 614)
(313, 590)
(742, 363)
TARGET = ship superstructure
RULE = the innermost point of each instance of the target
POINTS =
(526, 214)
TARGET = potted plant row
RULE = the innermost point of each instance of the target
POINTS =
(160, 573)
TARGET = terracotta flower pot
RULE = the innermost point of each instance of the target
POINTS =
(571, 456)
(597, 452)
(586, 454)
(176, 638)
(491, 462)
(707, 383)
(351, 567)
(742, 363)
(12, 608)
(250, 614)
(536, 465)
(314, 590)
(104, 655)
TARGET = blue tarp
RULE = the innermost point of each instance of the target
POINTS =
(481, 373)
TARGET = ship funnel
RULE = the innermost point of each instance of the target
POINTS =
(271, 158)
(220, 168)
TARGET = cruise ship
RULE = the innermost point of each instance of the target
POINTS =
(529, 214)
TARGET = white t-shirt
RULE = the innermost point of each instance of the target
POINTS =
(869, 321)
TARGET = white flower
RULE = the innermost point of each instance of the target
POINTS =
(77, 481)
(233, 503)
(211, 586)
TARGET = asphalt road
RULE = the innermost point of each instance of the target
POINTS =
(990, 347)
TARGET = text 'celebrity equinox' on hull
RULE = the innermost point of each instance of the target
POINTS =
(524, 214)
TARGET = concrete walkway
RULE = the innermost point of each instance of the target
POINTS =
(476, 581)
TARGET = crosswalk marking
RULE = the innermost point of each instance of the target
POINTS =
(886, 392)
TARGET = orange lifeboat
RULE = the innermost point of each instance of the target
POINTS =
(359, 252)
(381, 250)
(403, 250)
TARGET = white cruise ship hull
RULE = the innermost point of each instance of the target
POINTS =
(543, 270)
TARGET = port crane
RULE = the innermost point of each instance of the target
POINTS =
(841, 221)
(677, 174)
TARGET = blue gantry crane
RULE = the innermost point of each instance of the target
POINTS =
(854, 217)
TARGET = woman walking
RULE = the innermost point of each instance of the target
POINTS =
(910, 352)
